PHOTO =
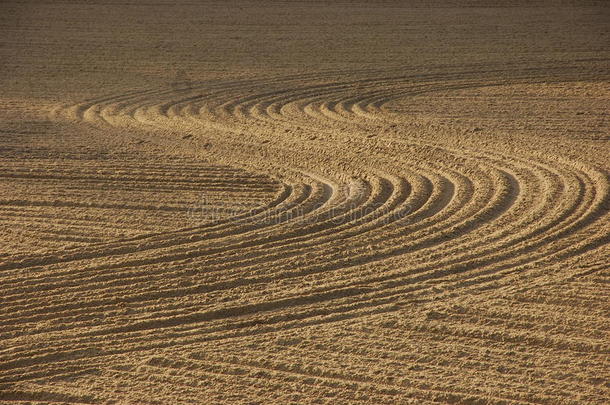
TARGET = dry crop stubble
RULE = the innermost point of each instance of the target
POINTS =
(397, 202)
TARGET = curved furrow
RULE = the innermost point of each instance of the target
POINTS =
(324, 204)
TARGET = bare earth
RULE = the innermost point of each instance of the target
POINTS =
(301, 203)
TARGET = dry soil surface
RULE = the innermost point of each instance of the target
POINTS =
(304, 202)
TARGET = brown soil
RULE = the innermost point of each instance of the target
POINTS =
(300, 203)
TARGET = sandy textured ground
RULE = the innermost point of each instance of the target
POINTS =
(285, 203)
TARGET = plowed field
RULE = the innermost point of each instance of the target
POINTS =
(305, 203)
